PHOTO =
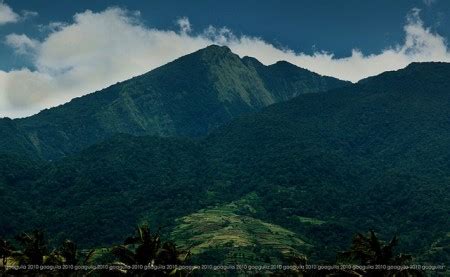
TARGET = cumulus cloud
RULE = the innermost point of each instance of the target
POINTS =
(22, 44)
(184, 24)
(7, 15)
(420, 45)
(100, 49)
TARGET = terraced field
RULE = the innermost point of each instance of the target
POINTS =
(239, 238)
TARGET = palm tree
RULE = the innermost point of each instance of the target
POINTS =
(6, 249)
(35, 252)
(68, 254)
(34, 248)
(145, 249)
(370, 251)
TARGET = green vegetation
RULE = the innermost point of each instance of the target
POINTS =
(239, 238)
(14, 141)
(187, 97)
(34, 256)
(308, 220)
(374, 155)
(144, 254)
(146, 248)
(113, 186)
(140, 255)
(296, 177)
(371, 252)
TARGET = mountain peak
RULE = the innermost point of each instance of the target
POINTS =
(187, 97)
(434, 72)
(211, 55)
(251, 60)
(217, 48)
(287, 66)
(284, 63)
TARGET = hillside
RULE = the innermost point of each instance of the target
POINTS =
(374, 155)
(15, 141)
(17, 175)
(187, 97)
(317, 168)
(229, 234)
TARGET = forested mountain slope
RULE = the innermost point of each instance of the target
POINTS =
(322, 166)
(187, 97)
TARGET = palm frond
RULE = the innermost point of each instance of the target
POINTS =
(124, 255)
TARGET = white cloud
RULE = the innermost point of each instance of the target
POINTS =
(22, 44)
(26, 14)
(99, 49)
(184, 24)
(52, 27)
(7, 15)
(420, 45)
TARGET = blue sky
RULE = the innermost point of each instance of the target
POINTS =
(52, 51)
(306, 26)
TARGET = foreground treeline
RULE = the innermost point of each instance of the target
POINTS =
(145, 254)
(31, 255)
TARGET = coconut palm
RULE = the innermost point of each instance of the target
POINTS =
(370, 251)
(34, 248)
(68, 254)
(145, 249)
(6, 249)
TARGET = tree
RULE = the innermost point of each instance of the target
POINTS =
(6, 249)
(369, 251)
(68, 254)
(145, 249)
(34, 248)
(34, 251)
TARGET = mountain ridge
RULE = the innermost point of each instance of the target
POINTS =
(322, 166)
(186, 97)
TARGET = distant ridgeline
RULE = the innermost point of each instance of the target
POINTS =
(188, 97)
(295, 178)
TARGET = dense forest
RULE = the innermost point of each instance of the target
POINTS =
(260, 185)
(187, 97)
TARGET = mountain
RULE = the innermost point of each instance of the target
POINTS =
(373, 155)
(187, 97)
(308, 173)
(229, 234)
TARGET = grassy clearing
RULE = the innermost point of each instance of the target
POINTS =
(239, 238)
(309, 220)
